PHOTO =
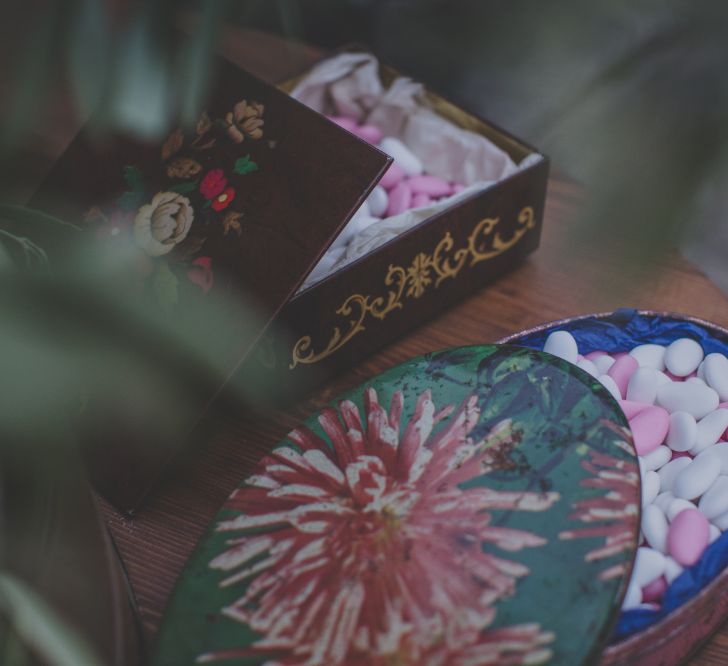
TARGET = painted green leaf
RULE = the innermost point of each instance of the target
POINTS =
(244, 165)
(130, 201)
(133, 197)
(165, 287)
(184, 187)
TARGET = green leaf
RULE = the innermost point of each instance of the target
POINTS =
(89, 34)
(24, 232)
(34, 256)
(132, 199)
(31, 216)
(244, 165)
(197, 60)
(165, 287)
(39, 627)
(184, 187)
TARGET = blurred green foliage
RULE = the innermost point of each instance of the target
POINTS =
(34, 624)
(70, 335)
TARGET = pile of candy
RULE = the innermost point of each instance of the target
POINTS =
(404, 186)
(676, 401)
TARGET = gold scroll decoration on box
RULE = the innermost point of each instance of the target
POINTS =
(425, 272)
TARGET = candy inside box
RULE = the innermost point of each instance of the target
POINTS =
(395, 264)
(437, 163)
(693, 605)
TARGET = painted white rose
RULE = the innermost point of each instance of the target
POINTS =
(162, 223)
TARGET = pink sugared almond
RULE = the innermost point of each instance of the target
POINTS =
(688, 537)
(432, 186)
(400, 199)
(649, 428)
(622, 370)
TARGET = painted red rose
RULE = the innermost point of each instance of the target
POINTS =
(201, 273)
(213, 183)
(222, 200)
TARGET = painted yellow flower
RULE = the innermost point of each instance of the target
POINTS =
(418, 275)
(246, 119)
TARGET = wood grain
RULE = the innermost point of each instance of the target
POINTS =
(567, 276)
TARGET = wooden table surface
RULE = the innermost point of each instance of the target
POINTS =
(567, 276)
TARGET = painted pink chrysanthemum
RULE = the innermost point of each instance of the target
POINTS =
(613, 515)
(369, 552)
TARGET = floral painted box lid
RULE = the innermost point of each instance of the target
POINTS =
(473, 506)
(217, 224)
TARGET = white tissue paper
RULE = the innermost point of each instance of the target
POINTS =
(349, 85)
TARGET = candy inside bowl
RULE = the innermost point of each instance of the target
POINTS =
(669, 374)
